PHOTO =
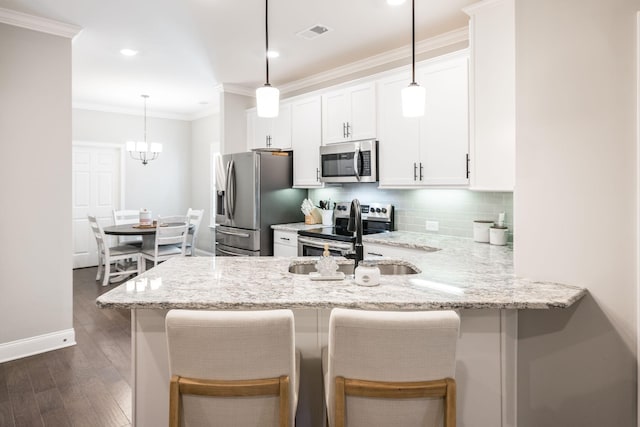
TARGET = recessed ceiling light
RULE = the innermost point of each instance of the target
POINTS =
(129, 52)
(273, 54)
(395, 2)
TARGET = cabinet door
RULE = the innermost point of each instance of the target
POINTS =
(444, 135)
(362, 107)
(285, 243)
(398, 135)
(335, 116)
(258, 129)
(492, 100)
(306, 140)
(281, 129)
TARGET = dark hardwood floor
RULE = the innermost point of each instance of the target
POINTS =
(85, 385)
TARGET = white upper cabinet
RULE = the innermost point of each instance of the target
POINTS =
(269, 132)
(399, 136)
(444, 129)
(430, 150)
(306, 139)
(349, 114)
(492, 95)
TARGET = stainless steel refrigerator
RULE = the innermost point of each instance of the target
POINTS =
(257, 193)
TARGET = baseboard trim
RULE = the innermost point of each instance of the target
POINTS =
(35, 345)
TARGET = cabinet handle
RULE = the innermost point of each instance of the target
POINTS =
(317, 174)
(268, 140)
(421, 171)
(285, 238)
(344, 130)
(467, 165)
(374, 254)
(348, 130)
(415, 171)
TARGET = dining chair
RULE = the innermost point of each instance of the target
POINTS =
(195, 218)
(108, 255)
(127, 216)
(232, 368)
(385, 368)
(170, 240)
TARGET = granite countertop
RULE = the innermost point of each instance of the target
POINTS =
(461, 274)
(296, 226)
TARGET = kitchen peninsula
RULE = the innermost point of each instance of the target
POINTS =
(476, 279)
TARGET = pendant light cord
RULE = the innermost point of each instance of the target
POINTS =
(266, 31)
(145, 117)
(413, 41)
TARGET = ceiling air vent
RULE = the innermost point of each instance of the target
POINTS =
(313, 32)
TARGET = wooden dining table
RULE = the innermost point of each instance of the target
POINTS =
(148, 233)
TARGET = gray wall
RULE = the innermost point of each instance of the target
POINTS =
(163, 185)
(575, 209)
(205, 134)
(35, 183)
(455, 210)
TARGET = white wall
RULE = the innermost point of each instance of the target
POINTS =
(35, 186)
(576, 222)
(163, 185)
(205, 134)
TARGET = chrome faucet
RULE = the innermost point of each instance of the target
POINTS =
(355, 225)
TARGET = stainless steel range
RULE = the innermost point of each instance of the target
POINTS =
(376, 218)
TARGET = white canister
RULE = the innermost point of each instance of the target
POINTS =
(327, 216)
(481, 230)
(367, 276)
(145, 217)
(498, 235)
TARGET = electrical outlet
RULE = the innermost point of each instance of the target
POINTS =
(432, 225)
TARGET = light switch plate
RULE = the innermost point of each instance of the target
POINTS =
(432, 225)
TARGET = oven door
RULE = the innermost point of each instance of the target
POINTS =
(315, 247)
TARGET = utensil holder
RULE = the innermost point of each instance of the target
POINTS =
(327, 217)
(308, 219)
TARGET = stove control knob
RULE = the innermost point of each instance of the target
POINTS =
(377, 210)
(372, 210)
(384, 210)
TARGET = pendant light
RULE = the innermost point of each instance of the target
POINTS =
(413, 96)
(267, 96)
(142, 150)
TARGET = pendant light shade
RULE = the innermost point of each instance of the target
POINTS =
(413, 96)
(268, 101)
(413, 100)
(267, 96)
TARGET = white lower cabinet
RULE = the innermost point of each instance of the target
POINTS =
(373, 250)
(285, 243)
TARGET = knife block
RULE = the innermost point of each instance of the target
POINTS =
(315, 217)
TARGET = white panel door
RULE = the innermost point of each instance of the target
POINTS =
(95, 191)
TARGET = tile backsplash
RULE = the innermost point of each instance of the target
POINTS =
(454, 210)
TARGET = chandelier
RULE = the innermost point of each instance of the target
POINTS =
(141, 150)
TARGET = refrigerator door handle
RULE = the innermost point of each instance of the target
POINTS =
(229, 233)
(356, 163)
(226, 192)
(232, 188)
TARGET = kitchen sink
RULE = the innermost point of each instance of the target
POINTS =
(386, 269)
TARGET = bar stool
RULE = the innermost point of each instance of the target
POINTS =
(396, 368)
(232, 368)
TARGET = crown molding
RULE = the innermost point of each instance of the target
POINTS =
(37, 23)
(473, 8)
(424, 46)
(235, 89)
(130, 111)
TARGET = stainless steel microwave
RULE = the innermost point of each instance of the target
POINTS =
(355, 161)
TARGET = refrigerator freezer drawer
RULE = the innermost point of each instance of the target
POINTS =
(222, 250)
(238, 238)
